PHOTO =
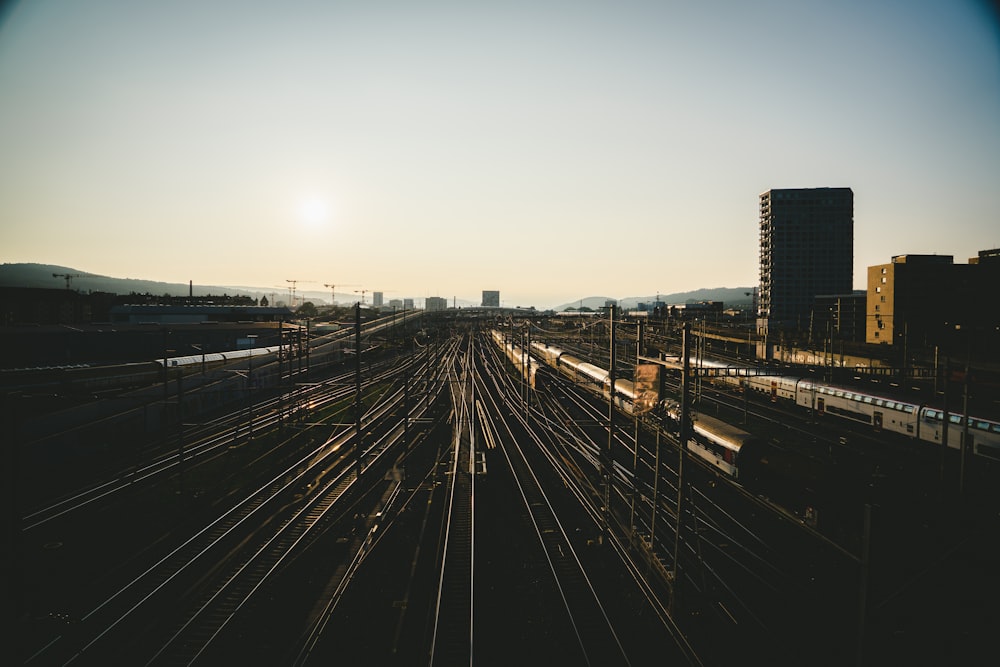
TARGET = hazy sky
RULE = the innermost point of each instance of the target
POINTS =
(550, 150)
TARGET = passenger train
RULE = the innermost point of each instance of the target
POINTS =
(731, 450)
(98, 378)
(881, 411)
(518, 358)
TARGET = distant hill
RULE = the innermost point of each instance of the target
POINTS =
(41, 275)
(730, 296)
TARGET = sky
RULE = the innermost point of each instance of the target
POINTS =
(551, 150)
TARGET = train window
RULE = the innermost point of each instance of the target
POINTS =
(868, 399)
(983, 426)
(879, 402)
(839, 394)
(955, 419)
(909, 409)
(891, 405)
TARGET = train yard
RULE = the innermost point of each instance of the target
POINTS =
(442, 499)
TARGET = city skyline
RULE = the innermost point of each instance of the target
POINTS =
(548, 150)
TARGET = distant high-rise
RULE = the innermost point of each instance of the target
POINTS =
(435, 303)
(407, 304)
(491, 298)
(806, 249)
(377, 298)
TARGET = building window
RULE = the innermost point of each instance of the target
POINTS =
(878, 290)
(876, 307)
(883, 280)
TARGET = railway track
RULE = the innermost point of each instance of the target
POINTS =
(595, 636)
(727, 570)
(271, 522)
(209, 440)
(452, 639)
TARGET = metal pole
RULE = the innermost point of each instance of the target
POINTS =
(524, 380)
(406, 402)
(281, 384)
(166, 375)
(524, 368)
(685, 427)
(656, 490)
(935, 370)
(357, 387)
(964, 444)
(865, 572)
(746, 401)
(945, 418)
(606, 458)
(635, 441)
(250, 383)
(180, 431)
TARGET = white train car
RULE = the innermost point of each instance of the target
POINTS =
(526, 366)
(881, 412)
(724, 446)
(984, 434)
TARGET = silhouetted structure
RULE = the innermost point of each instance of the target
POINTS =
(928, 300)
(491, 298)
(806, 249)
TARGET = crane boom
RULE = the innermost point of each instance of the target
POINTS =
(67, 276)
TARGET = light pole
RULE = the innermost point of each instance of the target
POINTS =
(252, 338)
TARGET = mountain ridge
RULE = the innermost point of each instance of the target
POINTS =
(730, 296)
(39, 275)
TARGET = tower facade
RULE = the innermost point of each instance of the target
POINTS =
(806, 249)
(491, 298)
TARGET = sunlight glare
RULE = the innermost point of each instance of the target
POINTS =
(314, 211)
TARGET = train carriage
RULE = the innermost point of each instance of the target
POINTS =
(879, 412)
(984, 434)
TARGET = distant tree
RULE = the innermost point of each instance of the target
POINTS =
(308, 309)
(263, 302)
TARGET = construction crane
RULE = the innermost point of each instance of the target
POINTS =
(291, 292)
(333, 293)
(67, 276)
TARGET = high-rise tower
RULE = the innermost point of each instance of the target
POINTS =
(806, 249)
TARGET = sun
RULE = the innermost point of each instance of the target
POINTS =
(314, 211)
